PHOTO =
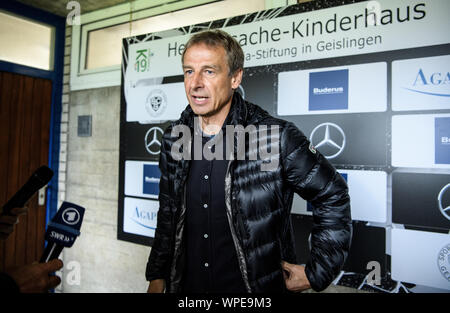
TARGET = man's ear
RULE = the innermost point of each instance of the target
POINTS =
(236, 78)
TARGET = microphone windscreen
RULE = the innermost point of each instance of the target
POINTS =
(37, 180)
(43, 174)
(65, 226)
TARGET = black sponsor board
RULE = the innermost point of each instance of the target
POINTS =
(368, 245)
(364, 135)
(143, 141)
(417, 199)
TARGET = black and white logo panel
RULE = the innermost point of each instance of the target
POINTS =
(143, 141)
(420, 199)
(350, 139)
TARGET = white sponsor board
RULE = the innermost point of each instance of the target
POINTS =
(340, 31)
(413, 140)
(365, 93)
(368, 196)
(421, 258)
(140, 216)
(421, 84)
(135, 178)
(150, 103)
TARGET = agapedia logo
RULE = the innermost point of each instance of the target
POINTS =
(144, 218)
(432, 83)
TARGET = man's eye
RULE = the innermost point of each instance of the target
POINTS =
(209, 72)
(188, 72)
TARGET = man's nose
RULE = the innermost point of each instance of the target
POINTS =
(197, 80)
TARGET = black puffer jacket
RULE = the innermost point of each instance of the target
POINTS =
(258, 208)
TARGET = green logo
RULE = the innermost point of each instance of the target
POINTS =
(142, 63)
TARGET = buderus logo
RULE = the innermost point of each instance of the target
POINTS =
(442, 140)
(151, 177)
(432, 83)
(328, 90)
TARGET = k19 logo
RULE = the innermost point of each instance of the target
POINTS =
(142, 63)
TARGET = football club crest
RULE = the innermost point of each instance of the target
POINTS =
(156, 102)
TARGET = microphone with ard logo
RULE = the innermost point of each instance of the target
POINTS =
(62, 230)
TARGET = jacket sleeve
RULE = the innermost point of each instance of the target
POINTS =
(311, 176)
(158, 265)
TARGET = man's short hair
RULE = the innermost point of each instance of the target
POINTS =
(217, 37)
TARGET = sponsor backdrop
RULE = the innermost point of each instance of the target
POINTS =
(367, 82)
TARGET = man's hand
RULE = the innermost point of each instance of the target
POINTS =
(36, 278)
(295, 277)
(156, 286)
(8, 221)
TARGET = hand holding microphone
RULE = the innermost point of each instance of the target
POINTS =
(9, 214)
(36, 277)
(61, 232)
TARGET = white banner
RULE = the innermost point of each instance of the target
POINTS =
(140, 216)
(142, 179)
(421, 141)
(359, 28)
(421, 258)
(150, 103)
(343, 89)
(368, 196)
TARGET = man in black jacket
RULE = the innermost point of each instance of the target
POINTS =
(224, 217)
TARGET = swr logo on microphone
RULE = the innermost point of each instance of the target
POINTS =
(60, 237)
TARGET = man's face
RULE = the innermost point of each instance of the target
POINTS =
(208, 85)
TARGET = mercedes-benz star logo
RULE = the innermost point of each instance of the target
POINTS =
(152, 144)
(444, 205)
(329, 138)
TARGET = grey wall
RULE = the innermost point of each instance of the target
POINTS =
(105, 264)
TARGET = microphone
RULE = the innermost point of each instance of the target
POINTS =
(37, 180)
(62, 230)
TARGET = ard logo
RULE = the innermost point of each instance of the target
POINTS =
(71, 216)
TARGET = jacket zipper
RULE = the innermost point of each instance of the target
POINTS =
(179, 229)
(239, 251)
